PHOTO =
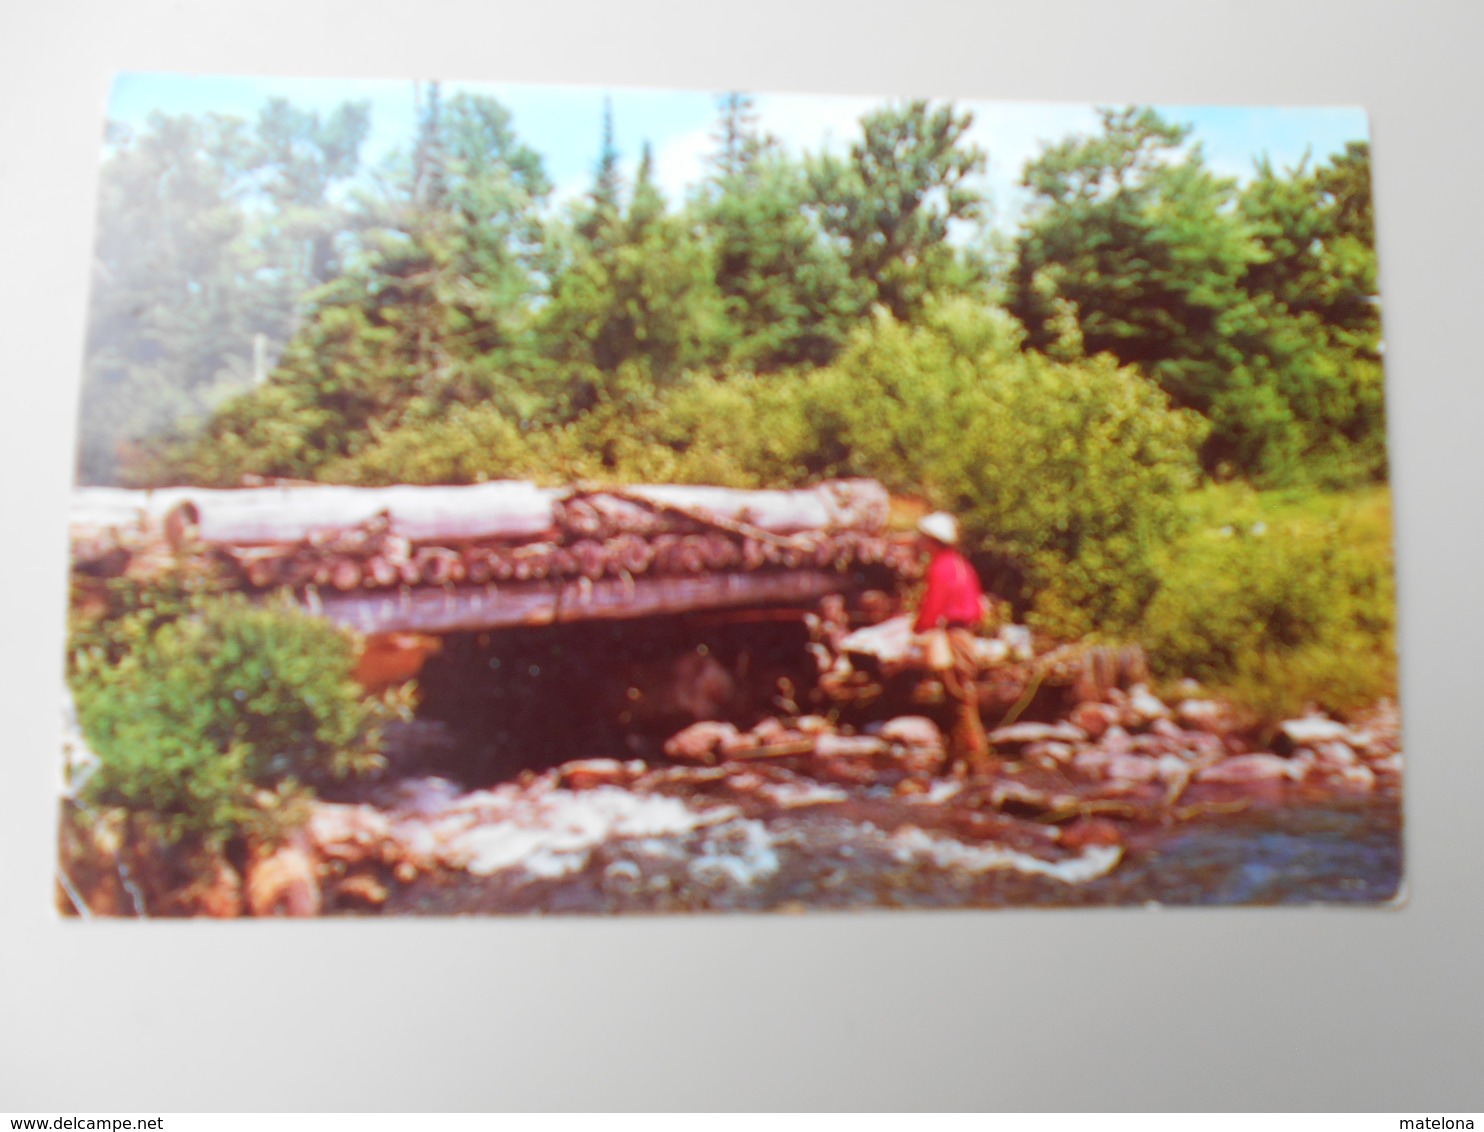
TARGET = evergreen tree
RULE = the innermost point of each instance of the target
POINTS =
(788, 294)
(737, 139)
(433, 309)
(1141, 247)
(894, 202)
(634, 304)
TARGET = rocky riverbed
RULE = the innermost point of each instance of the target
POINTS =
(1116, 797)
(795, 814)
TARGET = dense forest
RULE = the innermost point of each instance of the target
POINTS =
(1154, 353)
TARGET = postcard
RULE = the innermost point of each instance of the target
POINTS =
(503, 499)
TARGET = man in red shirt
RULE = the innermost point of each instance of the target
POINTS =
(953, 600)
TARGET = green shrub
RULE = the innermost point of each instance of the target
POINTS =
(1067, 475)
(198, 715)
(457, 445)
(1300, 614)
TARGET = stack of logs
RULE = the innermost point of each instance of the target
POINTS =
(349, 539)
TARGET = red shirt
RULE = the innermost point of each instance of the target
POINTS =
(953, 595)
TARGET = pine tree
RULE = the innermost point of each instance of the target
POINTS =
(894, 202)
(788, 294)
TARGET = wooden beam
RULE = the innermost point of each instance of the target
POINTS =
(503, 511)
(469, 608)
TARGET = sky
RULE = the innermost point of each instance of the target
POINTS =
(564, 124)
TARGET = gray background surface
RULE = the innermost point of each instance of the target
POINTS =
(1282, 1008)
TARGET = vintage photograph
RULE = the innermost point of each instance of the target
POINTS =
(503, 499)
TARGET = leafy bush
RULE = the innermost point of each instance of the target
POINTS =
(464, 444)
(1283, 614)
(199, 714)
(1067, 475)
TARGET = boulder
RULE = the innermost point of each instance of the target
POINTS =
(1084, 832)
(1051, 752)
(1130, 769)
(216, 891)
(1143, 707)
(1201, 715)
(1334, 755)
(1094, 718)
(1310, 731)
(347, 833)
(587, 774)
(832, 746)
(1018, 639)
(1248, 768)
(362, 889)
(405, 872)
(1019, 734)
(1359, 777)
(890, 642)
(912, 731)
(989, 652)
(699, 742)
(283, 883)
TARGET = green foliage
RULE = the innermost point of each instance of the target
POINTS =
(463, 444)
(1285, 606)
(209, 234)
(635, 289)
(1066, 476)
(892, 204)
(1256, 311)
(788, 293)
(195, 715)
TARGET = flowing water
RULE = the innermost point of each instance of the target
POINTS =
(867, 850)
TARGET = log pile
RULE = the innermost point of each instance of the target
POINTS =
(512, 538)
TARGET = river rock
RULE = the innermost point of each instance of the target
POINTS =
(1094, 718)
(990, 652)
(405, 872)
(1019, 734)
(1050, 753)
(1248, 768)
(1018, 639)
(1166, 729)
(700, 741)
(347, 833)
(283, 883)
(216, 891)
(1337, 755)
(832, 746)
(889, 642)
(1143, 708)
(912, 731)
(1084, 832)
(424, 796)
(1202, 715)
(1130, 769)
(587, 774)
(1358, 777)
(1391, 764)
(363, 889)
(1093, 761)
(1311, 731)
(845, 772)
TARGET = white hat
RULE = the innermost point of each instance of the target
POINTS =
(940, 526)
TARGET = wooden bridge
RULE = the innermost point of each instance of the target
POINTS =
(444, 559)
